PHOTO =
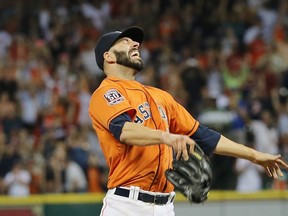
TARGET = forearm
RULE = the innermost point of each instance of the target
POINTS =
(228, 147)
(137, 134)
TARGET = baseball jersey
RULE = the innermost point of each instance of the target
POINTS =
(132, 165)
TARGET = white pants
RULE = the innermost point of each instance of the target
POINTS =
(115, 205)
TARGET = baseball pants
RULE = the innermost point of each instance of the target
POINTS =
(118, 204)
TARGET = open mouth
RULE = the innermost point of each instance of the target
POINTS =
(134, 53)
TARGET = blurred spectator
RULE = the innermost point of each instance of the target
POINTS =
(254, 30)
(9, 156)
(6, 105)
(8, 83)
(78, 146)
(265, 133)
(11, 122)
(281, 43)
(280, 102)
(75, 178)
(84, 99)
(228, 42)
(194, 83)
(64, 174)
(98, 11)
(171, 81)
(87, 57)
(17, 180)
(214, 83)
(96, 180)
(29, 107)
(235, 71)
(95, 147)
(5, 42)
(249, 177)
(266, 138)
(36, 168)
(268, 16)
(54, 171)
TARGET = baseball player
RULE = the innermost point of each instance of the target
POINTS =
(142, 128)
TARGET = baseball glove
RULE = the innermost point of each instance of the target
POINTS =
(192, 177)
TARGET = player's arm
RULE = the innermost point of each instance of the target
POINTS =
(213, 142)
(130, 133)
(271, 163)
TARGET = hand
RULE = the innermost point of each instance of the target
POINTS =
(179, 144)
(271, 164)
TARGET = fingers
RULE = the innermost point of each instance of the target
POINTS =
(178, 149)
(272, 164)
(279, 172)
(191, 144)
(179, 144)
(282, 163)
(268, 172)
(184, 150)
(274, 171)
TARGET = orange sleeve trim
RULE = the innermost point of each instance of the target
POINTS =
(193, 130)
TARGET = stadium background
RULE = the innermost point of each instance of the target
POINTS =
(226, 61)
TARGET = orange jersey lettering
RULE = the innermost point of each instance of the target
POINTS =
(132, 165)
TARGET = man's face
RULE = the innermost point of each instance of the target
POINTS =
(127, 54)
(123, 59)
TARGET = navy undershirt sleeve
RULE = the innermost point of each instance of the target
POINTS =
(206, 138)
(117, 124)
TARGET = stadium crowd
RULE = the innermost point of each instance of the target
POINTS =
(226, 61)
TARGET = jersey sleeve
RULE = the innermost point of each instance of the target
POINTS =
(206, 138)
(180, 120)
(109, 102)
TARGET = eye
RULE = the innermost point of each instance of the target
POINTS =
(125, 40)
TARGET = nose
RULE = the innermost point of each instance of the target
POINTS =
(136, 44)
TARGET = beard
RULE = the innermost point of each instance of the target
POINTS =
(123, 59)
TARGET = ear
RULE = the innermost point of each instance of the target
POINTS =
(109, 57)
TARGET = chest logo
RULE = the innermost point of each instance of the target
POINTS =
(113, 97)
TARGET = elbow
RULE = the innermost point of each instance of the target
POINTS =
(124, 136)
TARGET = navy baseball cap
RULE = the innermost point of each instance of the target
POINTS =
(107, 40)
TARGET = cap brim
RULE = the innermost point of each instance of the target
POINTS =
(134, 33)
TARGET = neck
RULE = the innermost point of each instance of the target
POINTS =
(121, 72)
